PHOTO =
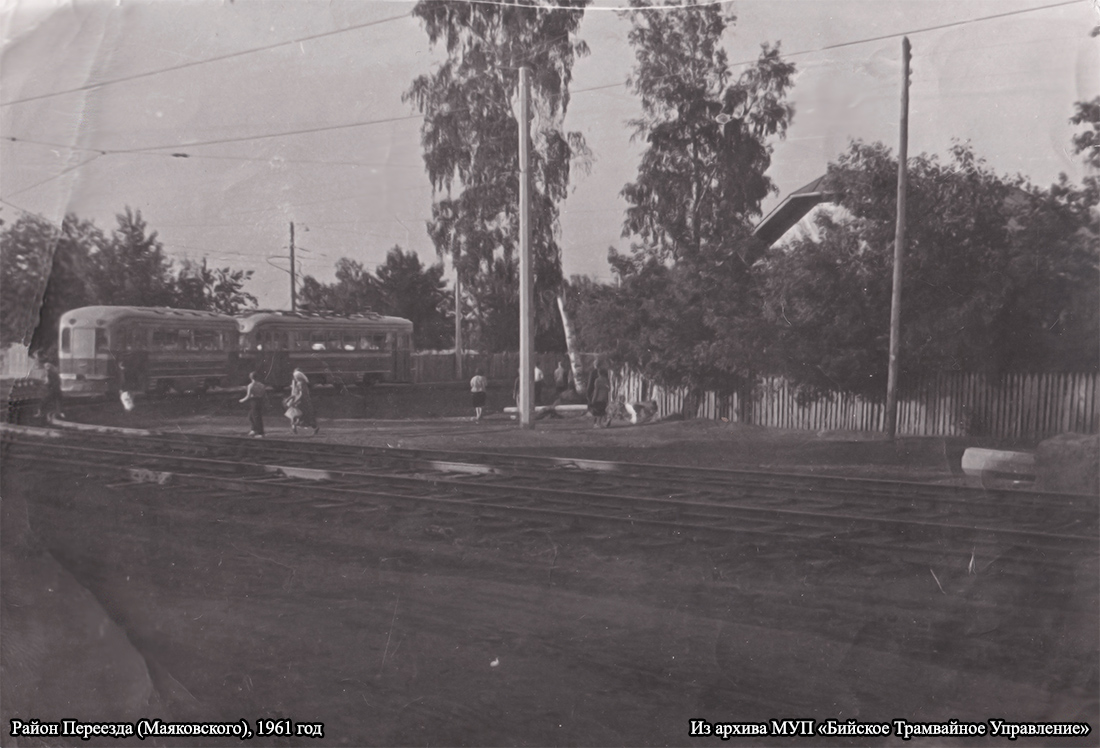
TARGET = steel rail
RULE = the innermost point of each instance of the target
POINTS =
(1059, 557)
(676, 503)
(674, 483)
(673, 512)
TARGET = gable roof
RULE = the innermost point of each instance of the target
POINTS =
(793, 209)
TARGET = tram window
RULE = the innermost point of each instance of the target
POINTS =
(349, 341)
(208, 340)
(317, 341)
(66, 340)
(101, 340)
(364, 343)
(334, 341)
(380, 342)
(166, 340)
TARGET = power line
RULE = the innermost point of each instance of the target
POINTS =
(204, 61)
(872, 39)
(931, 28)
(150, 150)
(60, 174)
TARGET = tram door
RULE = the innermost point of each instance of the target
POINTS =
(274, 358)
(401, 355)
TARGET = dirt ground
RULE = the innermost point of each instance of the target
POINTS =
(414, 626)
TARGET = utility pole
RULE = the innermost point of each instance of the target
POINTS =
(899, 250)
(293, 279)
(526, 272)
(458, 323)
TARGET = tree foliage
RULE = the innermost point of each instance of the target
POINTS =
(132, 268)
(998, 276)
(214, 289)
(470, 133)
(685, 308)
(1088, 142)
(418, 294)
(702, 176)
(401, 286)
(26, 256)
(46, 270)
(355, 291)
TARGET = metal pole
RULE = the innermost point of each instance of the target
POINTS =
(899, 251)
(458, 323)
(293, 283)
(526, 273)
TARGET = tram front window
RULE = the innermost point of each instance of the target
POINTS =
(84, 342)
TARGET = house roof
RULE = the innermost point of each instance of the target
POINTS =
(792, 209)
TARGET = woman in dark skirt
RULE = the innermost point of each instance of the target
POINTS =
(254, 396)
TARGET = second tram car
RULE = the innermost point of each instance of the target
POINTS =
(162, 348)
(357, 350)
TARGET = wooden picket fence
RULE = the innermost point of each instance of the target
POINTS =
(1016, 406)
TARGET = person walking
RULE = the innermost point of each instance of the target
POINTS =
(254, 395)
(478, 385)
(51, 403)
(300, 403)
(127, 384)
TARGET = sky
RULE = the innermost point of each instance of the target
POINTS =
(316, 132)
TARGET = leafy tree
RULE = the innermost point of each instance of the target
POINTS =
(68, 286)
(213, 289)
(1088, 142)
(999, 276)
(45, 272)
(355, 291)
(685, 309)
(132, 269)
(701, 178)
(469, 138)
(26, 255)
(420, 295)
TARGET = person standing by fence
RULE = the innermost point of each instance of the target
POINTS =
(478, 385)
(561, 378)
(601, 396)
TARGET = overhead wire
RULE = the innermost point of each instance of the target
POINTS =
(153, 150)
(204, 61)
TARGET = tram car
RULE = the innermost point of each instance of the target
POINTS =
(161, 348)
(358, 350)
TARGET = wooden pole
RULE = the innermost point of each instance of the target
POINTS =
(526, 271)
(293, 280)
(899, 250)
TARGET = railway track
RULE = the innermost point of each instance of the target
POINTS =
(911, 521)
